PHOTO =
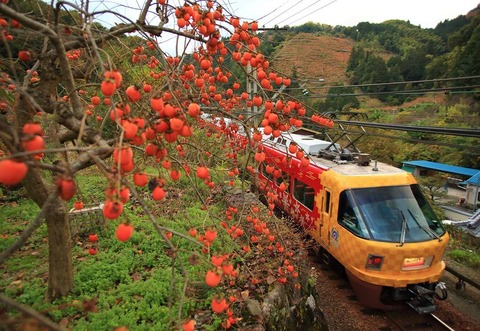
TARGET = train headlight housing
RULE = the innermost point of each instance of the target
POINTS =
(417, 263)
(374, 262)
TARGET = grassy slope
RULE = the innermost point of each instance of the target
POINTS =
(141, 283)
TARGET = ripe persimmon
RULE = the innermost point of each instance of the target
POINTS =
(189, 325)
(112, 209)
(158, 193)
(12, 172)
(107, 87)
(213, 278)
(202, 172)
(32, 129)
(78, 205)
(24, 56)
(93, 238)
(35, 143)
(66, 188)
(133, 93)
(219, 305)
(124, 231)
(140, 179)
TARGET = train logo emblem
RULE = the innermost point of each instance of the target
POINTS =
(335, 236)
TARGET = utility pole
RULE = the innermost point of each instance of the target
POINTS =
(252, 86)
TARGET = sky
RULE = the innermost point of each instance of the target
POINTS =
(426, 13)
(268, 13)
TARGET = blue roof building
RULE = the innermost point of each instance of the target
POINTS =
(474, 180)
(411, 166)
(470, 182)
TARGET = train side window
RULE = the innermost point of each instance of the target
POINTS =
(304, 193)
(348, 216)
(327, 202)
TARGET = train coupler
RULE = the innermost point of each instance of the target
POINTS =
(421, 300)
(442, 288)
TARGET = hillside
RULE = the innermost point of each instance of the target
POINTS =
(314, 57)
(378, 58)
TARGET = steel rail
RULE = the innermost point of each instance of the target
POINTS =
(446, 326)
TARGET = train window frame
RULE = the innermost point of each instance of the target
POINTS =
(349, 216)
(304, 194)
(328, 199)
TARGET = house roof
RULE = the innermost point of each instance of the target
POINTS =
(451, 169)
(475, 179)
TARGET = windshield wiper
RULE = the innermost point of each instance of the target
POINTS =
(404, 230)
(426, 229)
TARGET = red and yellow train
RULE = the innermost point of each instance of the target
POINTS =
(372, 219)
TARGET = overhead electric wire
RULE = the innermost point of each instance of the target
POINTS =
(413, 140)
(388, 83)
(445, 90)
(405, 82)
(459, 132)
(299, 11)
(268, 14)
(310, 13)
(283, 12)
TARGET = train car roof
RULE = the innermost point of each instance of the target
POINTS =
(316, 147)
(352, 168)
(308, 143)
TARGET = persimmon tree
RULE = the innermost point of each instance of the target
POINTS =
(75, 94)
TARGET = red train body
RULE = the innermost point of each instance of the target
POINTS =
(371, 218)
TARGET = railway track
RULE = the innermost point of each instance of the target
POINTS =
(406, 321)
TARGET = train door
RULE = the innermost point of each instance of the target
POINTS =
(325, 212)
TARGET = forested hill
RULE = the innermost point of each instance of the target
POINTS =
(377, 59)
(368, 53)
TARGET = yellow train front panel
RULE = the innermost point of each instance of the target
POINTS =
(401, 263)
(353, 253)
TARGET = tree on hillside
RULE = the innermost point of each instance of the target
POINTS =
(447, 27)
(433, 186)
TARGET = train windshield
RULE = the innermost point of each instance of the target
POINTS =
(392, 214)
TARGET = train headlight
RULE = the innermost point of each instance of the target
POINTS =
(374, 262)
(416, 263)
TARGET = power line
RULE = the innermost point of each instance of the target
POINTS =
(268, 14)
(459, 132)
(283, 12)
(413, 140)
(387, 83)
(403, 82)
(445, 90)
(300, 11)
(328, 4)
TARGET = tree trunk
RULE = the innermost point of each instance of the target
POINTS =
(60, 269)
(60, 274)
